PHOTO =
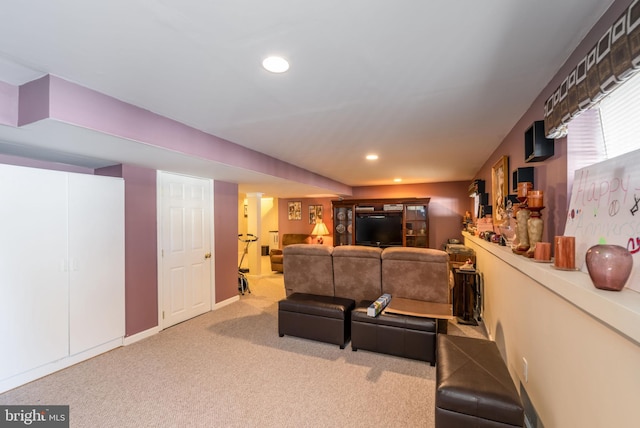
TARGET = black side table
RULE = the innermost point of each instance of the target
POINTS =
(466, 296)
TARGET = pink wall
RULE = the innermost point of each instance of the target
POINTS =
(225, 218)
(141, 263)
(302, 226)
(8, 104)
(550, 176)
(34, 101)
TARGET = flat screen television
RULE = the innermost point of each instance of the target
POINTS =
(379, 230)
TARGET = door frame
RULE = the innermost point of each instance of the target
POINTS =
(159, 219)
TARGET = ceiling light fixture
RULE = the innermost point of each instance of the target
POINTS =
(275, 64)
(372, 157)
(397, 180)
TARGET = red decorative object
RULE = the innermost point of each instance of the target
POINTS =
(609, 266)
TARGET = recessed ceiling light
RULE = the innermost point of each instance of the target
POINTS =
(372, 157)
(397, 180)
(275, 64)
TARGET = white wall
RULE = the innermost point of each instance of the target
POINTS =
(269, 221)
(581, 372)
(269, 208)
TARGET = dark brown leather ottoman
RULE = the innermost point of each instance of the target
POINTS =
(311, 316)
(400, 335)
(473, 386)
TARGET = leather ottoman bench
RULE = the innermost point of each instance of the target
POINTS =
(473, 386)
(393, 334)
(316, 317)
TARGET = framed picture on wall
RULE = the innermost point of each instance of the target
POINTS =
(499, 188)
(315, 213)
(295, 210)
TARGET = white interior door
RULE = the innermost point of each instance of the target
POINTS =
(34, 307)
(96, 260)
(186, 217)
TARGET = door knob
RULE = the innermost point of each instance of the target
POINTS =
(207, 256)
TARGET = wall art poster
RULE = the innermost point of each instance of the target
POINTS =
(295, 210)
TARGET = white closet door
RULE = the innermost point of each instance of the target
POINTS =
(33, 279)
(96, 259)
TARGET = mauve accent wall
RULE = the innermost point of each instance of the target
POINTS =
(302, 226)
(225, 223)
(8, 104)
(34, 101)
(141, 263)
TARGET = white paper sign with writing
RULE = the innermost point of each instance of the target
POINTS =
(605, 207)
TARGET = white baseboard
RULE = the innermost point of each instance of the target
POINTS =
(155, 330)
(142, 335)
(54, 366)
(38, 372)
(226, 302)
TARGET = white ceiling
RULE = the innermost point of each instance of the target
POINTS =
(421, 83)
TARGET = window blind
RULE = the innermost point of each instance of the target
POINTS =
(620, 117)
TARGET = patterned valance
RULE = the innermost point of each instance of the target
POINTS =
(614, 59)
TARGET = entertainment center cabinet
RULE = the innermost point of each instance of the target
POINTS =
(381, 222)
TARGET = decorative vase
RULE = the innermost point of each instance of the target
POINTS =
(609, 266)
(522, 233)
(535, 227)
(508, 227)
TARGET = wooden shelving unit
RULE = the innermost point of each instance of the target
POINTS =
(414, 213)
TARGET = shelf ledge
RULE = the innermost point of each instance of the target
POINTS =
(620, 310)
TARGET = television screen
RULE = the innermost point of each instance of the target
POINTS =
(379, 230)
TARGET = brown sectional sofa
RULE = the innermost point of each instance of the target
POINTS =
(357, 272)
(354, 276)
(309, 269)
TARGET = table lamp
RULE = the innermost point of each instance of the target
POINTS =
(319, 230)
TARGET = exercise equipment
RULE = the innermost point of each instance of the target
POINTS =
(243, 282)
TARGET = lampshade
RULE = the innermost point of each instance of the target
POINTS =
(320, 229)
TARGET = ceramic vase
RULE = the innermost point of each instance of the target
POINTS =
(522, 233)
(609, 266)
(535, 226)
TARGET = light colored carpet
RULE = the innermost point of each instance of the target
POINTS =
(229, 368)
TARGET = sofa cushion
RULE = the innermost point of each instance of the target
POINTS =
(416, 273)
(357, 272)
(308, 269)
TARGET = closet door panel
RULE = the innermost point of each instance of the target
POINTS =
(96, 254)
(33, 269)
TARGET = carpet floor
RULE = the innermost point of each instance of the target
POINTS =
(229, 368)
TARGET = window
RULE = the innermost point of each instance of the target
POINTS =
(609, 129)
(619, 113)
